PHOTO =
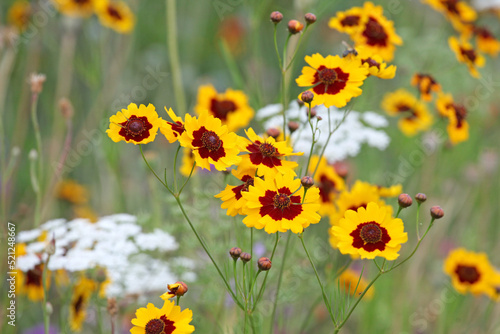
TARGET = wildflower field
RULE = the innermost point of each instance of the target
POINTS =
(232, 166)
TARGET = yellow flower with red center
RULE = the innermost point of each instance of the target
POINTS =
(470, 272)
(187, 162)
(231, 107)
(426, 84)
(137, 125)
(278, 204)
(444, 104)
(19, 14)
(416, 115)
(267, 155)
(72, 191)
(376, 33)
(391, 191)
(86, 212)
(348, 21)
(232, 197)
(82, 291)
(30, 283)
(211, 142)
(76, 8)
(330, 184)
(170, 319)
(353, 283)
(459, 13)
(116, 15)
(458, 127)
(465, 53)
(172, 130)
(374, 63)
(486, 42)
(370, 232)
(334, 80)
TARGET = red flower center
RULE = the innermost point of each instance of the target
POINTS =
(243, 187)
(114, 13)
(451, 6)
(371, 233)
(135, 126)
(78, 305)
(326, 187)
(469, 54)
(350, 21)
(267, 149)
(281, 201)
(375, 33)
(34, 276)
(356, 207)
(211, 141)
(222, 108)
(467, 274)
(160, 326)
(327, 76)
(371, 63)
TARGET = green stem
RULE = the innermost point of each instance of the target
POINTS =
(276, 47)
(173, 52)
(152, 170)
(313, 140)
(296, 48)
(38, 136)
(262, 287)
(325, 298)
(283, 87)
(175, 168)
(46, 315)
(236, 283)
(418, 228)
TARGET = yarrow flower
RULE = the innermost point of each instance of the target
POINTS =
(354, 284)
(470, 272)
(170, 319)
(370, 232)
(426, 84)
(137, 125)
(334, 80)
(465, 53)
(231, 107)
(116, 15)
(211, 142)
(278, 205)
(416, 116)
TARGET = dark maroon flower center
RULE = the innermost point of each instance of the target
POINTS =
(267, 150)
(281, 201)
(114, 13)
(470, 54)
(326, 187)
(371, 233)
(34, 276)
(211, 141)
(249, 180)
(451, 6)
(467, 274)
(135, 128)
(350, 21)
(375, 33)
(483, 32)
(460, 114)
(356, 207)
(78, 305)
(222, 108)
(371, 62)
(177, 128)
(327, 76)
(81, 2)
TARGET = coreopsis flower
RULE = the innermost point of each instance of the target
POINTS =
(348, 21)
(486, 42)
(459, 13)
(376, 32)
(116, 15)
(231, 107)
(333, 80)
(19, 14)
(458, 127)
(426, 84)
(466, 53)
(178, 289)
(211, 142)
(76, 8)
(330, 184)
(354, 284)
(72, 191)
(374, 63)
(85, 212)
(278, 204)
(137, 125)
(391, 191)
(170, 319)
(415, 114)
(79, 301)
(267, 155)
(187, 162)
(470, 272)
(30, 282)
(232, 197)
(444, 104)
(370, 232)
(172, 130)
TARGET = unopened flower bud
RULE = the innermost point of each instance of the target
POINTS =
(235, 253)
(112, 307)
(276, 17)
(319, 118)
(421, 198)
(178, 288)
(273, 132)
(341, 168)
(307, 182)
(437, 212)
(264, 263)
(404, 200)
(66, 108)
(245, 257)
(50, 248)
(36, 82)
(310, 18)
(300, 102)
(33, 155)
(293, 126)
(307, 96)
(313, 112)
(295, 27)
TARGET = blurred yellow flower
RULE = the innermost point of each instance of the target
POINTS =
(465, 53)
(459, 13)
(76, 8)
(19, 14)
(30, 283)
(187, 162)
(72, 191)
(330, 184)
(82, 291)
(116, 15)
(348, 21)
(426, 84)
(353, 283)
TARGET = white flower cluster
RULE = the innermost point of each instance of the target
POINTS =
(486, 4)
(115, 243)
(354, 129)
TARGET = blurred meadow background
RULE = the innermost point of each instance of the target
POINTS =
(92, 71)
